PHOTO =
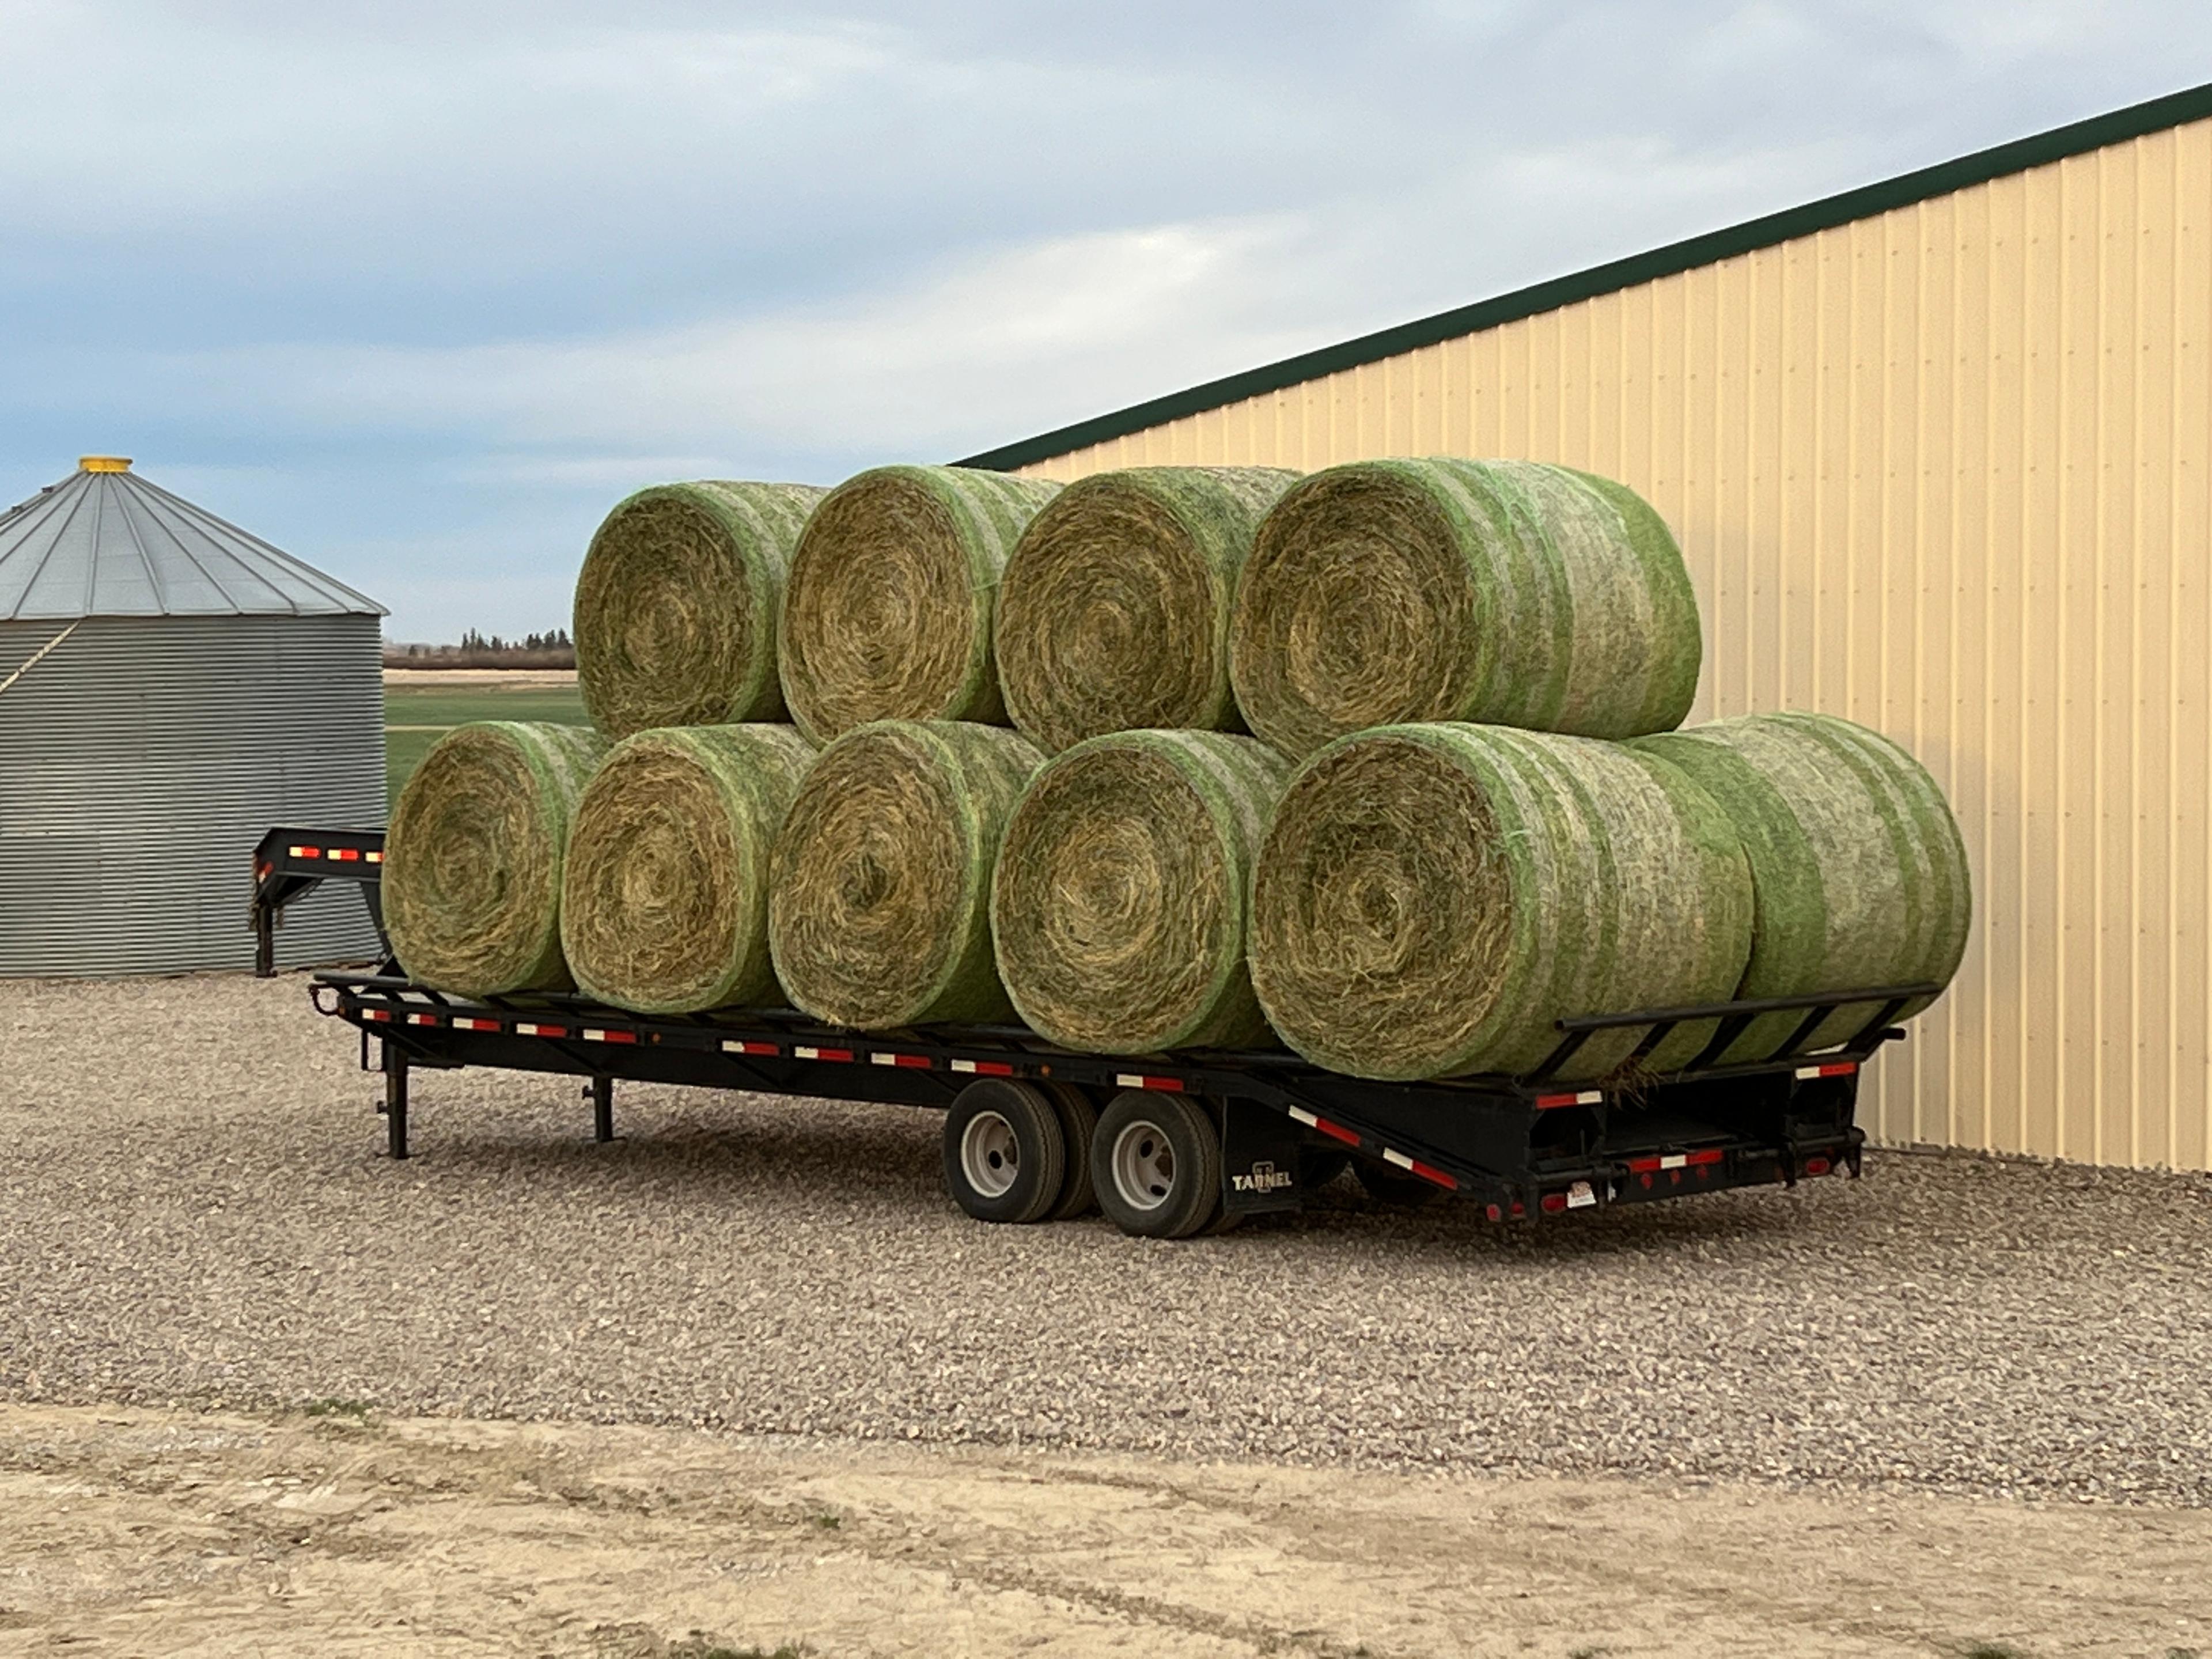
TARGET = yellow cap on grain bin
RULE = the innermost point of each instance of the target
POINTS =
(103, 463)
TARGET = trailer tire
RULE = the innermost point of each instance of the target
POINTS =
(1005, 1154)
(1156, 1162)
(1387, 1186)
(1078, 1120)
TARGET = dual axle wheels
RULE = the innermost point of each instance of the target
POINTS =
(1025, 1151)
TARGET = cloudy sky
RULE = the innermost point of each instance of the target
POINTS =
(418, 290)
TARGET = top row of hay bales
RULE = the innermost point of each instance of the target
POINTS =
(1212, 599)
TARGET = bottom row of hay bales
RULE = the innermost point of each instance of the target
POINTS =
(1416, 902)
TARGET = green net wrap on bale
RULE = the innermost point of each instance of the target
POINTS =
(1114, 615)
(677, 605)
(887, 615)
(664, 906)
(1431, 898)
(1510, 593)
(1119, 905)
(473, 864)
(880, 885)
(1859, 872)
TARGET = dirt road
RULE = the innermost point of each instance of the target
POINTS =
(138, 1531)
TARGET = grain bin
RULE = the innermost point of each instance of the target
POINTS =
(170, 687)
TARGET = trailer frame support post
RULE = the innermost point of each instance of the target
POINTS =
(602, 1092)
(395, 1101)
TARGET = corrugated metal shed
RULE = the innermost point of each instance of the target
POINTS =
(1940, 454)
(170, 687)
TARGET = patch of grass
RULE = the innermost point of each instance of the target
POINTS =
(423, 714)
(356, 1409)
(698, 1647)
(1992, 1650)
(828, 1521)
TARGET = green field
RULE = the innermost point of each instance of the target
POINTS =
(414, 717)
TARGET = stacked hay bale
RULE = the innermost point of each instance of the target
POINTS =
(1860, 870)
(474, 859)
(1118, 911)
(1113, 613)
(1431, 898)
(888, 612)
(879, 891)
(1508, 592)
(677, 605)
(664, 902)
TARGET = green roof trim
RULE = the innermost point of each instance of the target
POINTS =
(2076, 138)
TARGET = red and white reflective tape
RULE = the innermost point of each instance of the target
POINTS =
(1649, 1165)
(916, 1062)
(305, 852)
(822, 1054)
(1834, 1068)
(524, 1028)
(1580, 1097)
(734, 1047)
(608, 1036)
(344, 855)
(466, 1025)
(1428, 1172)
(372, 858)
(984, 1067)
(1168, 1085)
(422, 1019)
(1333, 1130)
(376, 1013)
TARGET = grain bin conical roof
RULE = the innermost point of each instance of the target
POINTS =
(105, 543)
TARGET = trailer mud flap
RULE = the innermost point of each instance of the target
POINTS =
(1259, 1158)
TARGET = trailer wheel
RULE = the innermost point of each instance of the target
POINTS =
(1079, 1119)
(1155, 1161)
(1386, 1186)
(1006, 1156)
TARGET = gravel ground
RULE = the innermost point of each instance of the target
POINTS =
(193, 1210)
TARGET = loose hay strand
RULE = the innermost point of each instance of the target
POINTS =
(1859, 871)
(1510, 593)
(887, 613)
(664, 904)
(1119, 905)
(879, 886)
(1431, 898)
(473, 860)
(1114, 612)
(675, 607)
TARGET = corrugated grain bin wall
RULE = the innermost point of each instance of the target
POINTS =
(144, 759)
(1942, 470)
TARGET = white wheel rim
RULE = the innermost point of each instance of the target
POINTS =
(1144, 1166)
(990, 1156)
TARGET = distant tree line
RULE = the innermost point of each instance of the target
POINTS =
(551, 650)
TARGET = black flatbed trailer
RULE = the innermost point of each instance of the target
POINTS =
(1034, 1132)
(1521, 1147)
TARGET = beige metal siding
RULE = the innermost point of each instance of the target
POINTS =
(1943, 471)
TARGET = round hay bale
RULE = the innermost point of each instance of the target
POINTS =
(880, 884)
(1118, 909)
(1858, 872)
(677, 603)
(472, 862)
(1114, 614)
(1510, 593)
(1429, 899)
(664, 902)
(887, 614)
